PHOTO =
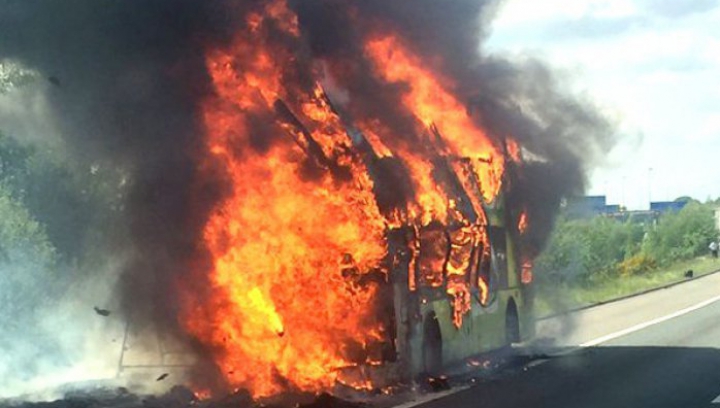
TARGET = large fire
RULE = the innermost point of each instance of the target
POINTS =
(298, 243)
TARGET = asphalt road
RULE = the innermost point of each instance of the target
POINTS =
(657, 350)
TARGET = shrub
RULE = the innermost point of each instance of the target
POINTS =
(682, 235)
(587, 251)
(637, 264)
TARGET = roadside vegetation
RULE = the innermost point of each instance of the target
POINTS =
(55, 211)
(57, 219)
(599, 259)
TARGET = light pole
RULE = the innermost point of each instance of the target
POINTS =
(650, 169)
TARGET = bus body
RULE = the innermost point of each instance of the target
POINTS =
(428, 332)
(452, 287)
(427, 338)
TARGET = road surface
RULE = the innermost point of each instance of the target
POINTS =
(661, 349)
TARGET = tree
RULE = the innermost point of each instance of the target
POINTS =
(684, 234)
(13, 163)
(27, 259)
(13, 76)
(68, 198)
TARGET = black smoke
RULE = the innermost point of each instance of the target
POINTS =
(562, 135)
(124, 79)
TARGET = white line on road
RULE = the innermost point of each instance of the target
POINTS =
(649, 323)
(432, 397)
(716, 400)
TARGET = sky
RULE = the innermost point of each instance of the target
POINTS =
(653, 66)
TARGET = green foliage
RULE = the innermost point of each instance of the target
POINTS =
(593, 260)
(55, 219)
(69, 199)
(682, 235)
(587, 251)
(13, 163)
(27, 262)
(13, 76)
(637, 264)
(22, 238)
(580, 250)
(559, 298)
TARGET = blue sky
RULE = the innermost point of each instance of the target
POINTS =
(653, 66)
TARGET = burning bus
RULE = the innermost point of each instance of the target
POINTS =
(426, 268)
(456, 289)
(451, 289)
(353, 243)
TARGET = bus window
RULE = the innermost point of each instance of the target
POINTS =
(491, 265)
(461, 251)
(483, 274)
(499, 269)
(434, 249)
(457, 270)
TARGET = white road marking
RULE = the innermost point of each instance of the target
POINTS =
(537, 362)
(432, 397)
(649, 323)
(716, 400)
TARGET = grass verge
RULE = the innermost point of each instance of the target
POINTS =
(552, 299)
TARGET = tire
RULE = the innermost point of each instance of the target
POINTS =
(512, 324)
(432, 345)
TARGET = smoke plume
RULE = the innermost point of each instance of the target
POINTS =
(520, 99)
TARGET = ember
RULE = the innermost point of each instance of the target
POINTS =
(522, 222)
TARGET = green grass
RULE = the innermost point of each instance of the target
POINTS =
(552, 299)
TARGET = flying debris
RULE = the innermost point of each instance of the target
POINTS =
(162, 377)
(101, 312)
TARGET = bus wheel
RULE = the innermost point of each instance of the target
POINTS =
(512, 324)
(432, 345)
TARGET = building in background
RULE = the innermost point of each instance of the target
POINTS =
(593, 206)
(667, 206)
(588, 207)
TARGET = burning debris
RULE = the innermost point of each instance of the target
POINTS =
(297, 165)
(101, 312)
(436, 384)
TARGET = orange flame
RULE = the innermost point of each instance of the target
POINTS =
(484, 291)
(513, 149)
(522, 222)
(282, 312)
(526, 274)
(435, 106)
